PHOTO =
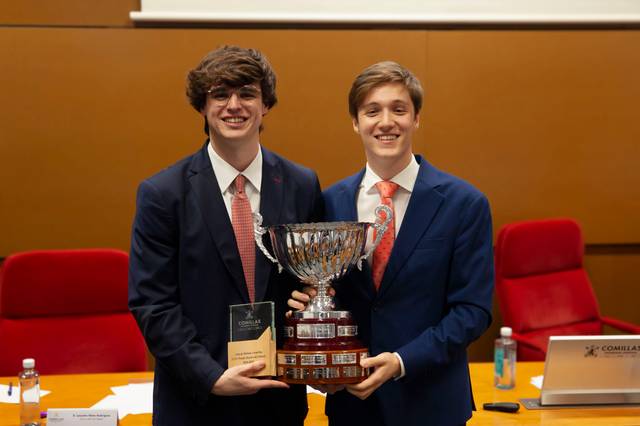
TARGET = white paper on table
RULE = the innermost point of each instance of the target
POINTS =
(111, 402)
(14, 398)
(139, 396)
(537, 381)
(136, 398)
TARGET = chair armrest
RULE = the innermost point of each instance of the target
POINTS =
(621, 325)
(528, 343)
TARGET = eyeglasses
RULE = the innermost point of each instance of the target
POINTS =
(245, 94)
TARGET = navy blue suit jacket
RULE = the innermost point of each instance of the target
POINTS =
(433, 301)
(185, 271)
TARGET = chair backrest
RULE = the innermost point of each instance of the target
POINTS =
(68, 310)
(542, 287)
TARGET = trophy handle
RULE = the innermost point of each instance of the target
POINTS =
(258, 232)
(381, 228)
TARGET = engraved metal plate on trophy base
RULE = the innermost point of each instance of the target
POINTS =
(321, 344)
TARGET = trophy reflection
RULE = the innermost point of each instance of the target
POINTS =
(321, 345)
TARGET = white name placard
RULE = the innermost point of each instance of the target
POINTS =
(81, 416)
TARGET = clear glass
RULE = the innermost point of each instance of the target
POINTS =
(29, 397)
(505, 363)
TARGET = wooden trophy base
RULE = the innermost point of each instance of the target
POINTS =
(321, 348)
(329, 367)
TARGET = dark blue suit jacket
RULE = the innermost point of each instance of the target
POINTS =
(434, 300)
(185, 271)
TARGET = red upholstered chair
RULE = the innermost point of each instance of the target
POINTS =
(542, 286)
(68, 310)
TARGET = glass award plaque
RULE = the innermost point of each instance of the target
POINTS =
(252, 335)
(250, 320)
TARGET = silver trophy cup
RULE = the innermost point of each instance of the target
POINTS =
(318, 253)
(320, 344)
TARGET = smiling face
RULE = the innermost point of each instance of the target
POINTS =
(386, 121)
(234, 115)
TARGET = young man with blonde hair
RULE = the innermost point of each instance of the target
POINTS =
(193, 253)
(426, 293)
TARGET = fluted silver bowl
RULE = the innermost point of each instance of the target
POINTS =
(318, 253)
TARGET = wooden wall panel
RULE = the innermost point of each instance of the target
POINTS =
(91, 112)
(616, 283)
(544, 122)
(67, 12)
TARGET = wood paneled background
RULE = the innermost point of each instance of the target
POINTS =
(545, 122)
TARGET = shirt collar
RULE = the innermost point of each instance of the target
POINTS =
(226, 173)
(406, 179)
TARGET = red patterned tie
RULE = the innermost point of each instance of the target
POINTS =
(383, 251)
(242, 223)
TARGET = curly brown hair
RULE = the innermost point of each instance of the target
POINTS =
(381, 73)
(235, 67)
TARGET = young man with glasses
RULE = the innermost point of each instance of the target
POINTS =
(426, 294)
(193, 253)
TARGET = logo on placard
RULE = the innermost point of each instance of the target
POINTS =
(250, 322)
(591, 351)
(612, 351)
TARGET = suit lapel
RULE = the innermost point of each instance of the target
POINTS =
(346, 201)
(349, 212)
(271, 195)
(423, 206)
(215, 216)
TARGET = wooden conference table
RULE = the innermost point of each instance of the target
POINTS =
(84, 390)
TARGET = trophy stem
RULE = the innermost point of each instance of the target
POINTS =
(322, 301)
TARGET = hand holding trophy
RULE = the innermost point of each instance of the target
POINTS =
(321, 346)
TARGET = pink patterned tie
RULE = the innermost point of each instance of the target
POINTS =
(242, 223)
(383, 251)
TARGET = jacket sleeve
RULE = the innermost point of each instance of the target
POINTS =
(468, 297)
(154, 296)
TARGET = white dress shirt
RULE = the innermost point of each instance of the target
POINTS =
(226, 174)
(368, 198)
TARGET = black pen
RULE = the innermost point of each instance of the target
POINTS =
(10, 388)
